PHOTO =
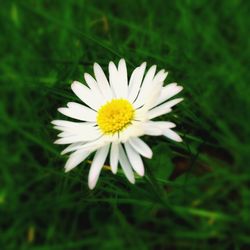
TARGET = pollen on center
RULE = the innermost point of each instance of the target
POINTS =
(115, 115)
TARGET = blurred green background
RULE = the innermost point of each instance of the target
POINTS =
(195, 195)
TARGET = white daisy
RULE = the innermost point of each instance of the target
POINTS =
(113, 116)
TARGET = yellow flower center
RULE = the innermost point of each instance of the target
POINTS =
(115, 115)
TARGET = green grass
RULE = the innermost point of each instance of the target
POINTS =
(195, 195)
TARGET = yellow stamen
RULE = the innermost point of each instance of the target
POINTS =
(115, 115)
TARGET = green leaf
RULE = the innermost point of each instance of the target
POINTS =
(161, 163)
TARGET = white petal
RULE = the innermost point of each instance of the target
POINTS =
(151, 129)
(133, 130)
(141, 114)
(156, 128)
(72, 147)
(86, 95)
(73, 127)
(149, 77)
(114, 155)
(95, 144)
(65, 134)
(85, 134)
(91, 82)
(102, 82)
(141, 147)
(160, 76)
(123, 78)
(78, 128)
(97, 165)
(114, 80)
(58, 127)
(162, 124)
(169, 91)
(127, 169)
(172, 135)
(87, 146)
(153, 95)
(135, 82)
(164, 108)
(75, 159)
(153, 113)
(135, 159)
(146, 85)
(63, 123)
(78, 111)
(171, 103)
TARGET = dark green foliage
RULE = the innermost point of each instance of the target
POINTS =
(195, 194)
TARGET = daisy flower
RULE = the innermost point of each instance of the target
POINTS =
(112, 116)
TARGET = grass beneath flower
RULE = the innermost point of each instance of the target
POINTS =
(195, 195)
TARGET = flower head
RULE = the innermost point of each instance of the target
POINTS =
(112, 117)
